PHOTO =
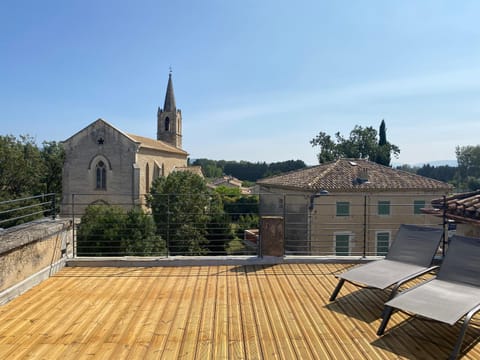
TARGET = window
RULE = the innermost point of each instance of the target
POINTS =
(342, 244)
(167, 124)
(343, 208)
(147, 178)
(156, 171)
(383, 243)
(417, 206)
(280, 203)
(384, 208)
(101, 173)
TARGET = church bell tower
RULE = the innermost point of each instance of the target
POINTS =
(169, 119)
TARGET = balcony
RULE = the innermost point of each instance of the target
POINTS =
(246, 307)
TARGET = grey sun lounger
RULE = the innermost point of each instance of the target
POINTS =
(451, 295)
(410, 255)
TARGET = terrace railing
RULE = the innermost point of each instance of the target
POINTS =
(167, 225)
(359, 225)
(22, 210)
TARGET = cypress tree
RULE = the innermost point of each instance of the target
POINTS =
(383, 152)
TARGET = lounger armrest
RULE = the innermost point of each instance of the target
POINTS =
(411, 277)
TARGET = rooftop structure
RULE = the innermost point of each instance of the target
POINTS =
(353, 175)
(198, 312)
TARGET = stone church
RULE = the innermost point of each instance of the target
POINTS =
(105, 165)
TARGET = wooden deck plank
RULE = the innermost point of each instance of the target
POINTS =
(221, 325)
(191, 333)
(240, 312)
(280, 343)
(205, 344)
(249, 324)
(167, 321)
(236, 340)
(174, 339)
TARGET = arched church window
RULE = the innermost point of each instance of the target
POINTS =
(167, 124)
(147, 178)
(101, 172)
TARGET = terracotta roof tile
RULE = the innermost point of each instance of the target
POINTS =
(193, 169)
(157, 144)
(463, 207)
(353, 175)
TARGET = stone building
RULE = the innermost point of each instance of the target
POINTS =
(347, 207)
(105, 165)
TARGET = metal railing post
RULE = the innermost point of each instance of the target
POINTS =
(74, 240)
(54, 206)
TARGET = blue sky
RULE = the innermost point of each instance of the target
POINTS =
(255, 80)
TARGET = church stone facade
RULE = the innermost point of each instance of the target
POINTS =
(104, 165)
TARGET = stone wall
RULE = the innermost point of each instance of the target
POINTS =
(272, 236)
(30, 253)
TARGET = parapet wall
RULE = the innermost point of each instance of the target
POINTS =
(30, 253)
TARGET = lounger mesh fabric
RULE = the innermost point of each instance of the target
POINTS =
(455, 290)
(411, 252)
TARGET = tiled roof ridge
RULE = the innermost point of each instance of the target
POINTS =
(329, 166)
(347, 174)
(146, 140)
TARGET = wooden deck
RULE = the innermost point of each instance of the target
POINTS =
(216, 312)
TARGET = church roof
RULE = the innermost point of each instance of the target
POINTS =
(353, 175)
(169, 104)
(193, 169)
(156, 144)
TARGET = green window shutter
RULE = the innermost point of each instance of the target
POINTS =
(383, 243)
(343, 208)
(384, 208)
(417, 205)
(342, 244)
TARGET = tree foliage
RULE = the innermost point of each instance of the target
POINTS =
(53, 157)
(246, 170)
(383, 155)
(110, 231)
(26, 169)
(468, 159)
(362, 143)
(219, 227)
(179, 204)
(21, 167)
(443, 173)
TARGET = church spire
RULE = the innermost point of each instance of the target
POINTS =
(169, 119)
(169, 104)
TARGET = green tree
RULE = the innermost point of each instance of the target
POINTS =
(362, 143)
(107, 230)
(53, 156)
(408, 168)
(284, 166)
(244, 170)
(21, 167)
(100, 231)
(383, 155)
(329, 150)
(139, 238)
(210, 168)
(443, 172)
(468, 159)
(179, 204)
(219, 228)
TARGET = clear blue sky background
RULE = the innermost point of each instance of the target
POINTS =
(256, 79)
